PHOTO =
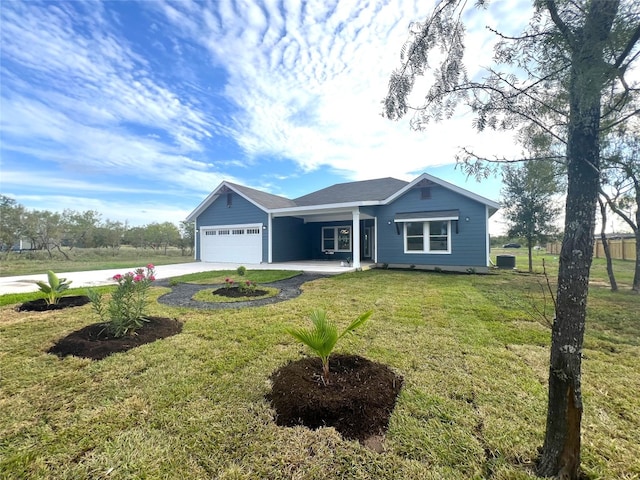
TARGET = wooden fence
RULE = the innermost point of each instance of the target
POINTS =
(622, 248)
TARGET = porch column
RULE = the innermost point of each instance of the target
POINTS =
(269, 239)
(355, 238)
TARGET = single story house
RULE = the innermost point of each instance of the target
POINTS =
(425, 224)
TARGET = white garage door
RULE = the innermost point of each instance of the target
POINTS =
(234, 244)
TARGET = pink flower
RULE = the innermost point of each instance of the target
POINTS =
(248, 282)
(117, 277)
(152, 278)
(138, 278)
(150, 266)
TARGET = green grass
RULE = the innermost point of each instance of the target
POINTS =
(219, 276)
(473, 357)
(82, 259)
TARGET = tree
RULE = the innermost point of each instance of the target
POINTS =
(11, 222)
(187, 236)
(528, 201)
(81, 227)
(605, 244)
(46, 230)
(621, 172)
(162, 235)
(574, 54)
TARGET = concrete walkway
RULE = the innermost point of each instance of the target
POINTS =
(26, 283)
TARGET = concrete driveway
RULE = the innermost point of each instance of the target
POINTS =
(26, 283)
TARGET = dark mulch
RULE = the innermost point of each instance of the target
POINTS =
(40, 305)
(357, 402)
(236, 292)
(95, 342)
(181, 295)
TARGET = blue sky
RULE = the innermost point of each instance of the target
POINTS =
(140, 109)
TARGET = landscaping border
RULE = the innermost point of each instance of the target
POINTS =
(182, 293)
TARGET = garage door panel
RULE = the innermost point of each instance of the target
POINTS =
(233, 244)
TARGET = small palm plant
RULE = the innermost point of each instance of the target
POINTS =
(324, 336)
(54, 289)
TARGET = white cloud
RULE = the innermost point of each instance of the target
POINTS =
(310, 81)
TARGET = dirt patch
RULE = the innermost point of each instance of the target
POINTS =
(41, 305)
(95, 342)
(357, 402)
(236, 292)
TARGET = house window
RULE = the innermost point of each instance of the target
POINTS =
(229, 199)
(425, 193)
(427, 237)
(239, 231)
(253, 231)
(337, 239)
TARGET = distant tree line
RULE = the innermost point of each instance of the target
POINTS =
(21, 228)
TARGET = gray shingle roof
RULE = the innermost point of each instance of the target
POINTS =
(363, 191)
(265, 199)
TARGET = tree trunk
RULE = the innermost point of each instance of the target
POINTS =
(530, 248)
(605, 246)
(636, 276)
(561, 451)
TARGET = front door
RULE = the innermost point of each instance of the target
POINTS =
(367, 242)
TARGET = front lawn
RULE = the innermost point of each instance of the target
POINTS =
(472, 353)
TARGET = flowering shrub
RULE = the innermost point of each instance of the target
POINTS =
(247, 286)
(228, 283)
(125, 310)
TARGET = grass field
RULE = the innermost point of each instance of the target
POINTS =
(28, 263)
(471, 348)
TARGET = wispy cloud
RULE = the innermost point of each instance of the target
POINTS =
(172, 97)
(309, 78)
(89, 87)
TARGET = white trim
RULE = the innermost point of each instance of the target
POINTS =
(337, 207)
(450, 186)
(375, 239)
(335, 229)
(355, 238)
(269, 239)
(486, 226)
(233, 226)
(426, 234)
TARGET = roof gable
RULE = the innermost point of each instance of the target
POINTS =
(425, 178)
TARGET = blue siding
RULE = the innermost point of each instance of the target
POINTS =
(468, 245)
(315, 231)
(290, 239)
(241, 211)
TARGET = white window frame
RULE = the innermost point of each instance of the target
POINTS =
(336, 234)
(426, 237)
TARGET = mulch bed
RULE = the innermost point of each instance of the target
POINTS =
(237, 292)
(357, 402)
(41, 305)
(95, 342)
